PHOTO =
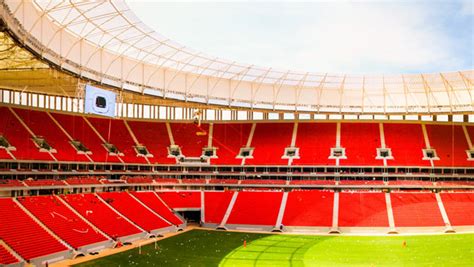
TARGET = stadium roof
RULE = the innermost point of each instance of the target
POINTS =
(105, 41)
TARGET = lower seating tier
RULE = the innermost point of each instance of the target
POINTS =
(23, 234)
(216, 204)
(256, 208)
(459, 208)
(62, 221)
(102, 216)
(309, 208)
(152, 200)
(415, 210)
(181, 199)
(133, 210)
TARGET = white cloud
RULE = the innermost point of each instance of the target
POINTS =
(320, 37)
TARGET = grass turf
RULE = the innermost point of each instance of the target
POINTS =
(215, 248)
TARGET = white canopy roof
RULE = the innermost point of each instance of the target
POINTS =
(107, 42)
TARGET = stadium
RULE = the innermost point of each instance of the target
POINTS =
(122, 147)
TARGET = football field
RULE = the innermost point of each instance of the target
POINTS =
(218, 248)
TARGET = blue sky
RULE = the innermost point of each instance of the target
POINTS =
(338, 36)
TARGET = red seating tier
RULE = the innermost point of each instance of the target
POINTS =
(133, 210)
(450, 144)
(20, 138)
(139, 180)
(256, 208)
(153, 202)
(224, 181)
(315, 141)
(166, 181)
(415, 209)
(215, 205)
(181, 199)
(42, 125)
(23, 234)
(261, 181)
(62, 221)
(361, 182)
(309, 208)
(10, 183)
(6, 257)
(459, 207)
(270, 141)
(190, 137)
(312, 182)
(229, 138)
(154, 136)
(82, 180)
(193, 181)
(4, 154)
(79, 130)
(406, 142)
(360, 152)
(115, 132)
(410, 182)
(362, 209)
(44, 182)
(98, 213)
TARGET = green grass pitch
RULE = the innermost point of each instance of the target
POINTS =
(218, 248)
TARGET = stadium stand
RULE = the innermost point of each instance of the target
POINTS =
(181, 199)
(20, 138)
(23, 234)
(190, 137)
(312, 150)
(154, 137)
(223, 181)
(263, 181)
(153, 202)
(11, 183)
(166, 181)
(309, 208)
(357, 152)
(193, 181)
(450, 144)
(139, 180)
(270, 141)
(42, 125)
(256, 208)
(98, 213)
(406, 142)
(6, 257)
(415, 210)
(133, 210)
(79, 130)
(312, 182)
(459, 207)
(215, 205)
(44, 182)
(82, 180)
(115, 132)
(62, 221)
(362, 209)
(361, 182)
(228, 139)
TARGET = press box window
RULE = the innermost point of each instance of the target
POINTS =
(384, 153)
(430, 154)
(338, 152)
